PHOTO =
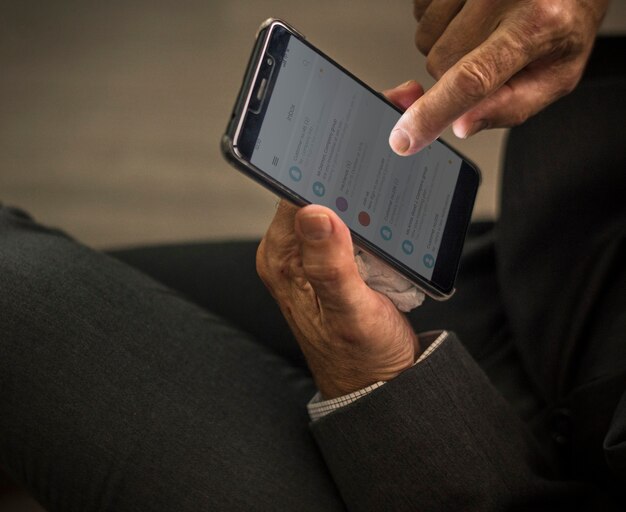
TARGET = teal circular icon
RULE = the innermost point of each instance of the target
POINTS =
(407, 247)
(295, 173)
(386, 233)
(318, 189)
(429, 260)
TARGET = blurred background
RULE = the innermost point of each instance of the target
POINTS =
(111, 112)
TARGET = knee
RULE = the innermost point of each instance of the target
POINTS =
(34, 267)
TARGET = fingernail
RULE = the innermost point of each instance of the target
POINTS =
(474, 128)
(399, 140)
(316, 226)
(407, 83)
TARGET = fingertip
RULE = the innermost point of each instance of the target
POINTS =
(316, 222)
(413, 132)
(399, 141)
(404, 95)
(460, 130)
(315, 226)
(465, 128)
(403, 144)
(414, 86)
(313, 210)
(328, 257)
(403, 87)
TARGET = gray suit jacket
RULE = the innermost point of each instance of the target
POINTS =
(440, 437)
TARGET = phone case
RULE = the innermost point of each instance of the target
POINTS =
(230, 153)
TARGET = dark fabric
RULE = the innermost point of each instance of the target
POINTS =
(462, 447)
(120, 391)
(117, 394)
(197, 270)
(560, 249)
(561, 246)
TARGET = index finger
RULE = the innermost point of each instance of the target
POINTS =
(281, 229)
(473, 78)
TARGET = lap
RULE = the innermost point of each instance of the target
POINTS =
(197, 270)
(117, 393)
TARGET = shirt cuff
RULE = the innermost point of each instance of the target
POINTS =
(319, 408)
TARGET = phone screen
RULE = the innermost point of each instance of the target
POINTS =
(324, 135)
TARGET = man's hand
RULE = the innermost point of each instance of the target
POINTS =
(497, 63)
(351, 335)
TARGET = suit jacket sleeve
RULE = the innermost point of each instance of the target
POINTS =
(440, 437)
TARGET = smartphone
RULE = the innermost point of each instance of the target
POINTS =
(312, 132)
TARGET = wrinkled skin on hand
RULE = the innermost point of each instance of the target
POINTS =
(497, 63)
(351, 335)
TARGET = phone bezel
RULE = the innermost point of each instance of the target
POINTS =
(232, 153)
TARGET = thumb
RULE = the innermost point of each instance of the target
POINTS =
(328, 259)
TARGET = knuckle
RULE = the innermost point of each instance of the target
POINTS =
(419, 7)
(567, 85)
(433, 65)
(475, 79)
(262, 266)
(269, 266)
(518, 117)
(552, 15)
(441, 58)
(323, 271)
(423, 41)
(551, 27)
(519, 41)
(279, 270)
(419, 122)
(564, 80)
